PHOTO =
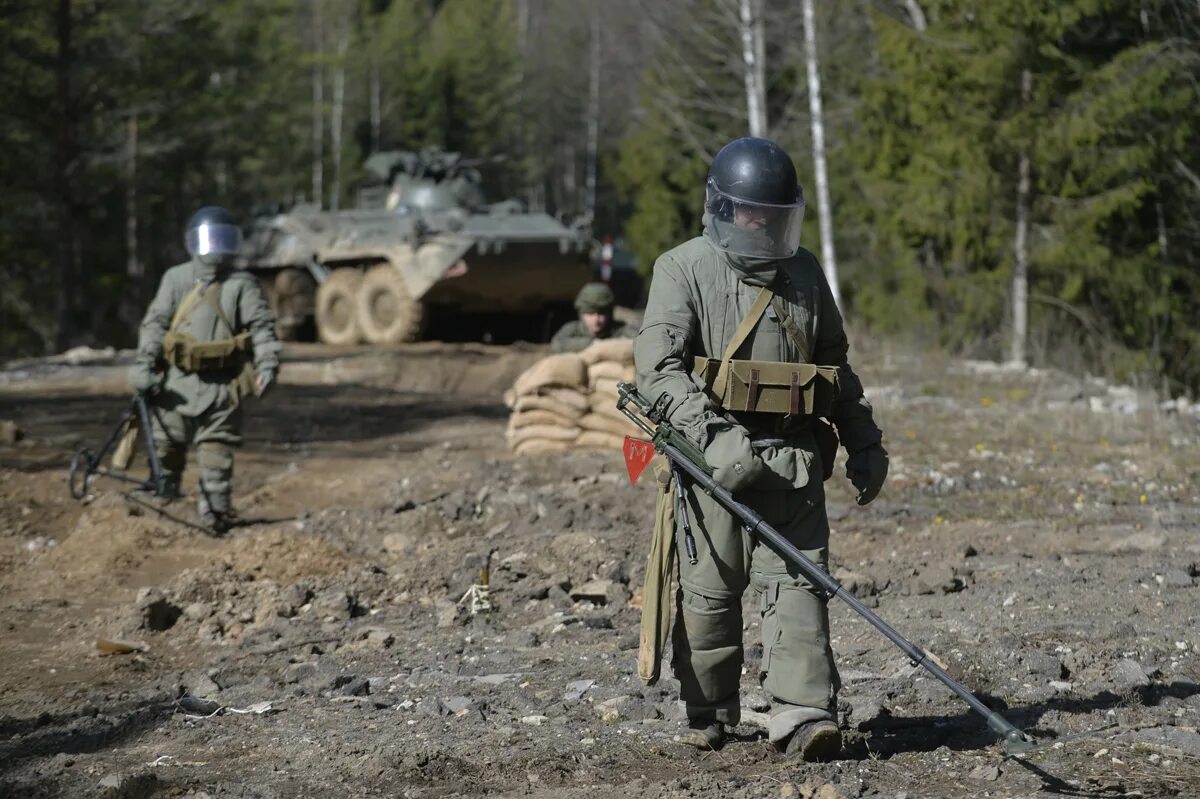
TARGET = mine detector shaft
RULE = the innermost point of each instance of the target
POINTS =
(685, 459)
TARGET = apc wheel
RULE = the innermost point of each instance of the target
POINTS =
(337, 315)
(387, 313)
(292, 300)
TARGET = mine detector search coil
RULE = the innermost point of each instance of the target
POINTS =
(686, 458)
(86, 465)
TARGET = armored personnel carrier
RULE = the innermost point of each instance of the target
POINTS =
(423, 240)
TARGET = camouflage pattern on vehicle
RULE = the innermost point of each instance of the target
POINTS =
(424, 239)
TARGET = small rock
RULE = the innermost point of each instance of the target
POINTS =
(1042, 664)
(1061, 686)
(1127, 673)
(987, 773)
(594, 591)
(197, 611)
(292, 599)
(198, 706)
(969, 551)
(203, 686)
(381, 638)
(536, 721)
(334, 604)
(458, 705)
(861, 585)
(397, 543)
(1178, 579)
(558, 597)
(431, 707)
(298, 672)
(577, 689)
(597, 622)
(357, 686)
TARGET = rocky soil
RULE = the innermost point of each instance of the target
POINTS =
(1040, 534)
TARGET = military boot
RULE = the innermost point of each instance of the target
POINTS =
(217, 522)
(168, 489)
(702, 734)
(814, 742)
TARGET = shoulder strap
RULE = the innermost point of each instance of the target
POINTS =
(743, 330)
(213, 296)
(187, 306)
(740, 335)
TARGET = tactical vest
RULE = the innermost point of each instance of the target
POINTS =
(189, 354)
(796, 389)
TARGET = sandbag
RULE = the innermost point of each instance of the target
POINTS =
(608, 349)
(605, 404)
(532, 446)
(540, 417)
(577, 407)
(565, 369)
(595, 439)
(611, 370)
(575, 398)
(606, 424)
(606, 388)
(547, 431)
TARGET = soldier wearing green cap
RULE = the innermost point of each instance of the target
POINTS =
(594, 303)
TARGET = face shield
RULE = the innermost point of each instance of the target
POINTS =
(208, 240)
(753, 229)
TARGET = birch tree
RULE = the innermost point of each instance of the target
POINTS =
(824, 204)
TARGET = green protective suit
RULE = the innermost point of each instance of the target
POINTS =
(574, 336)
(698, 296)
(199, 407)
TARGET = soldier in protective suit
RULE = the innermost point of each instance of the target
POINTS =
(206, 343)
(595, 303)
(746, 293)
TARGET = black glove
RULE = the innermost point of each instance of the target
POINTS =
(867, 469)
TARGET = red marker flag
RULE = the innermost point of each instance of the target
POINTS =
(638, 454)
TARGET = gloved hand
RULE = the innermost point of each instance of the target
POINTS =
(734, 463)
(143, 379)
(867, 469)
(266, 379)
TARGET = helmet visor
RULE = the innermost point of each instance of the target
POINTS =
(756, 230)
(210, 239)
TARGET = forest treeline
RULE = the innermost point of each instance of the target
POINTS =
(993, 165)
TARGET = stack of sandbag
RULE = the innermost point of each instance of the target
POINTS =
(547, 401)
(569, 400)
(609, 361)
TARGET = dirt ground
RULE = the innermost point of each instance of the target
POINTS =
(1040, 533)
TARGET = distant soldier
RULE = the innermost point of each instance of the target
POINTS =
(594, 303)
(206, 343)
(746, 297)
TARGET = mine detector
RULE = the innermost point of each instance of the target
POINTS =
(422, 239)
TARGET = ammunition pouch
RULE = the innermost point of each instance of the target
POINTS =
(798, 389)
(233, 354)
(192, 355)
